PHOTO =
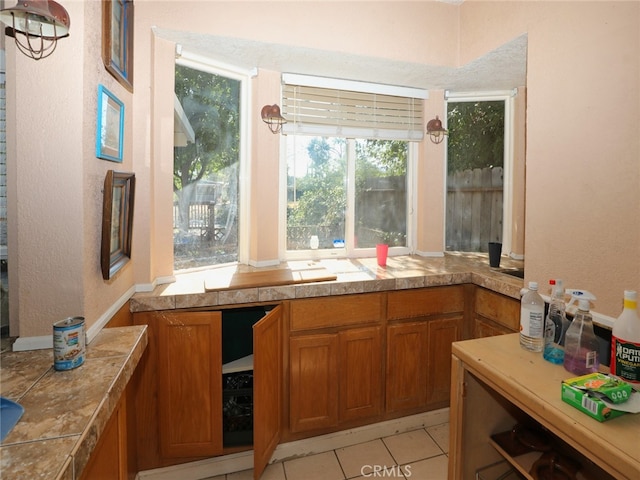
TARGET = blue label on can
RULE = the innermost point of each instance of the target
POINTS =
(68, 343)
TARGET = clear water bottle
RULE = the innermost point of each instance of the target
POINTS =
(532, 319)
(581, 351)
(555, 326)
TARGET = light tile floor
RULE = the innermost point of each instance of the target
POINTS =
(416, 455)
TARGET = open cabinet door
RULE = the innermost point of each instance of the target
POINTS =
(267, 388)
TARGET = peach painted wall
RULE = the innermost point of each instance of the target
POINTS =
(583, 65)
(55, 211)
(264, 176)
(431, 170)
(583, 145)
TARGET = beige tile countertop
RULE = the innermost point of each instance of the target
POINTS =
(64, 411)
(353, 276)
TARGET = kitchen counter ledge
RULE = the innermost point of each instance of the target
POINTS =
(360, 275)
(65, 411)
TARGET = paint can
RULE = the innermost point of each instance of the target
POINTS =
(68, 343)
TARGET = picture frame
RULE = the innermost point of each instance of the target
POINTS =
(117, 40)
(117, 221)
(109, 126)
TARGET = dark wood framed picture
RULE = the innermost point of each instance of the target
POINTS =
(117, 221)
(117, 40)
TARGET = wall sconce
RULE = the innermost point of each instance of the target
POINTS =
(436, 131)
(41, 22)
(271, 116)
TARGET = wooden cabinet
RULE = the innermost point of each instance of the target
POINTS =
(423, 324)
(179, 388)
(335, 377)
(407, 357)
(496, 384)
(442, 333)
(340, 311)
(494, 314)
(346, 361)
(190, 384)
(360, 373)
(267, 388)
(335, 361)
(109, 460)
(313, 366)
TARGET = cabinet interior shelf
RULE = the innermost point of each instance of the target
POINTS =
(524, 462)
(239, 365)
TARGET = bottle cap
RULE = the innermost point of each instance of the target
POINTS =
(533, 285)
(583, 304)
(631, 295)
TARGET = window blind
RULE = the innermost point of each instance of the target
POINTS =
(317, 110)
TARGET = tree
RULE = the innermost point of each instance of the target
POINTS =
(476, 135)
(317, 200)
(211, 104)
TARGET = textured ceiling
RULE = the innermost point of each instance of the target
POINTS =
(501, 69)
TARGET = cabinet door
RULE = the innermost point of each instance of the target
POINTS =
(267, 388)
(407, 365)
(313, 381)
(442, 333)
(483, 327)
(502, 310)
(109, 459)
(190, 383)
(360, 373)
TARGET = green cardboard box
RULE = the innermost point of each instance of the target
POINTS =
(584, 393)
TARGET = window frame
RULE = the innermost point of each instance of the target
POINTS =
(349, 251)
(507, 202)
(205, 64)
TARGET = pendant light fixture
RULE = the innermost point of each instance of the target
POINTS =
(36, 26)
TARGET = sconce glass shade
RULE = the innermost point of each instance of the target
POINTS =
(40, 22)
(272, 117)
(436, 131)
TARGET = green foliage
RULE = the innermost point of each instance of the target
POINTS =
(211, 103)
(321, 197)
(476, 135)
(382, 157)
(318, 203)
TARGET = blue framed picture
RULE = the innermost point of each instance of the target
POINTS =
(110, 128)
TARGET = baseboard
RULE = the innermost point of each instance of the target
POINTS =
(237, 462)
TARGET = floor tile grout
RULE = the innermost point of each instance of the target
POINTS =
(291, 476)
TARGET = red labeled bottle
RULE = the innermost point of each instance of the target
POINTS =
(625, 341)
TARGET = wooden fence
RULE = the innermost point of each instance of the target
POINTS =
(474, 209)
(204, 220)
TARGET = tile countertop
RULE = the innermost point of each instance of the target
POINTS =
(353, 276)
(65, 411)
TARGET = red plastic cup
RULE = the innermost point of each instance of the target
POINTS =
(382, 250)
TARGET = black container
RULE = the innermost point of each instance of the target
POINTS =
(495, 251)
(237, 408)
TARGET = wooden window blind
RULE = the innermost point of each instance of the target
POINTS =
(338, 112)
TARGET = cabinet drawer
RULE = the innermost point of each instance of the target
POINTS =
(425, 301)
(499, 308)
(324, 312)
